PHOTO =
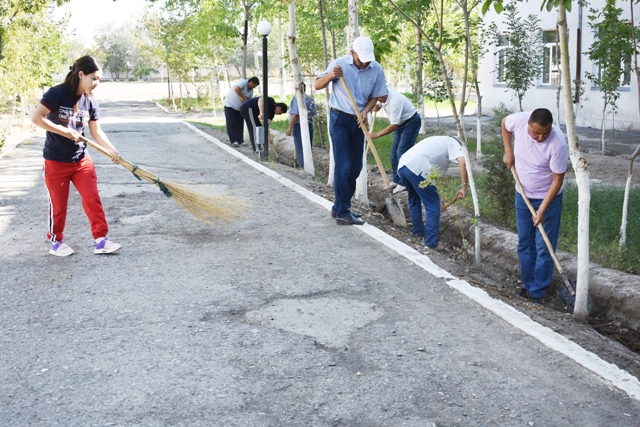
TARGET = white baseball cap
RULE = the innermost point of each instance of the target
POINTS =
(363, 46)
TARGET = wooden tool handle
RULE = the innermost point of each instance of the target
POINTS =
(540, 227)
(455, 199)
(366, 134)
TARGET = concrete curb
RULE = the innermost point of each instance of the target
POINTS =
(609, 372)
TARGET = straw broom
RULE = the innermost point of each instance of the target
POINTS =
(201, 206)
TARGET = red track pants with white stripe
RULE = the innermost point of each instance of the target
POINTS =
(57, 176)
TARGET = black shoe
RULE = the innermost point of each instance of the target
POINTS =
(537, 300)
(356, 214)
(524, 293)
(350, 219)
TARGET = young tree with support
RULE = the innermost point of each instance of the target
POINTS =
(522, 54)
(609, 50)
(580, 165)
(467, 8)
(299, 84)
(435, 39)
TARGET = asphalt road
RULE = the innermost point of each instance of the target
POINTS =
(280, 318)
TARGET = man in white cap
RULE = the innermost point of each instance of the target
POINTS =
(366, 81)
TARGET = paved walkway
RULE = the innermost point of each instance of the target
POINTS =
(281, 318)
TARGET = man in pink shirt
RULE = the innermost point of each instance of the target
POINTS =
(540, 154)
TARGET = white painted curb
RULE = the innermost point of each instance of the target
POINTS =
(608, 371)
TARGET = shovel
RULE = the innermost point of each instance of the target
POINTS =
(394, 208)
(373, 126)
(567, 293)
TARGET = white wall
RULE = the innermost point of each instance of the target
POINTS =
(589, 109)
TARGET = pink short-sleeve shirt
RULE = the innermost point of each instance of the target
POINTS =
(537, 161)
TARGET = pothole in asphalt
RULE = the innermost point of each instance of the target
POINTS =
(330, 321)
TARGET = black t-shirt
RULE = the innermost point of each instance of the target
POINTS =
(271, 105)
(61, 104)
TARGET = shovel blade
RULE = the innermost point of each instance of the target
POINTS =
(396, 212)
(568, 298)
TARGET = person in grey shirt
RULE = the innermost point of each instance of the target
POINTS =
(240, 91)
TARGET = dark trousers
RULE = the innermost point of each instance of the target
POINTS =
(403, 138)
(252, 121)
(235, 125)
(348, 146)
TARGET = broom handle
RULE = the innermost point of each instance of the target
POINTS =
(366, 134)
(119, 160)
(95, 146)
(540, 227)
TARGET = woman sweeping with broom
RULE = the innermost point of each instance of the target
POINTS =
(63, 112)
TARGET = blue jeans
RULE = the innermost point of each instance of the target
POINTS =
(348, 148)
(417, 197)
(403, 138)
(536, 264)
(297, 141)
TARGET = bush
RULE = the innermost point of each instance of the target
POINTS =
(497, 187)
(499, 113)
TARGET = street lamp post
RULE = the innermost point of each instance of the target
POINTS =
(264, 28)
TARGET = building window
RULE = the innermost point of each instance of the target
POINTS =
(625, 68)
(551, 59)
(625, 76)
(501, 70)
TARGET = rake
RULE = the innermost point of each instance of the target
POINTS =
(203, 207)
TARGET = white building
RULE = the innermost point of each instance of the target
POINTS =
(588, 107)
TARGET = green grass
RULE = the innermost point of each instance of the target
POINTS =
(604, 220)
(496, 202)
(221, 128)
(604, 227)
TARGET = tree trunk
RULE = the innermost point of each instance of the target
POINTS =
(635, 54)
(559, 90)
(283, 73)
(245, 36)
(445, 75)
(353, 32)
(333, 44)
(625, 204)
(520, 102)
(326, 94)
(299, 82)
(604, 115)
(581, 168)
(213, 91)
(13, 113)
(407, 75)
(474, 72)
(419, 82)
(23, 107)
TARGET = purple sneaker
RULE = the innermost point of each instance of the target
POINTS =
(61, 249)
(106, 246)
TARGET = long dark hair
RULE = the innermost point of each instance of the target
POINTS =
(86, 64)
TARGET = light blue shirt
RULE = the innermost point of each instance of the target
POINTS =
(364, 84)
(311, 107)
